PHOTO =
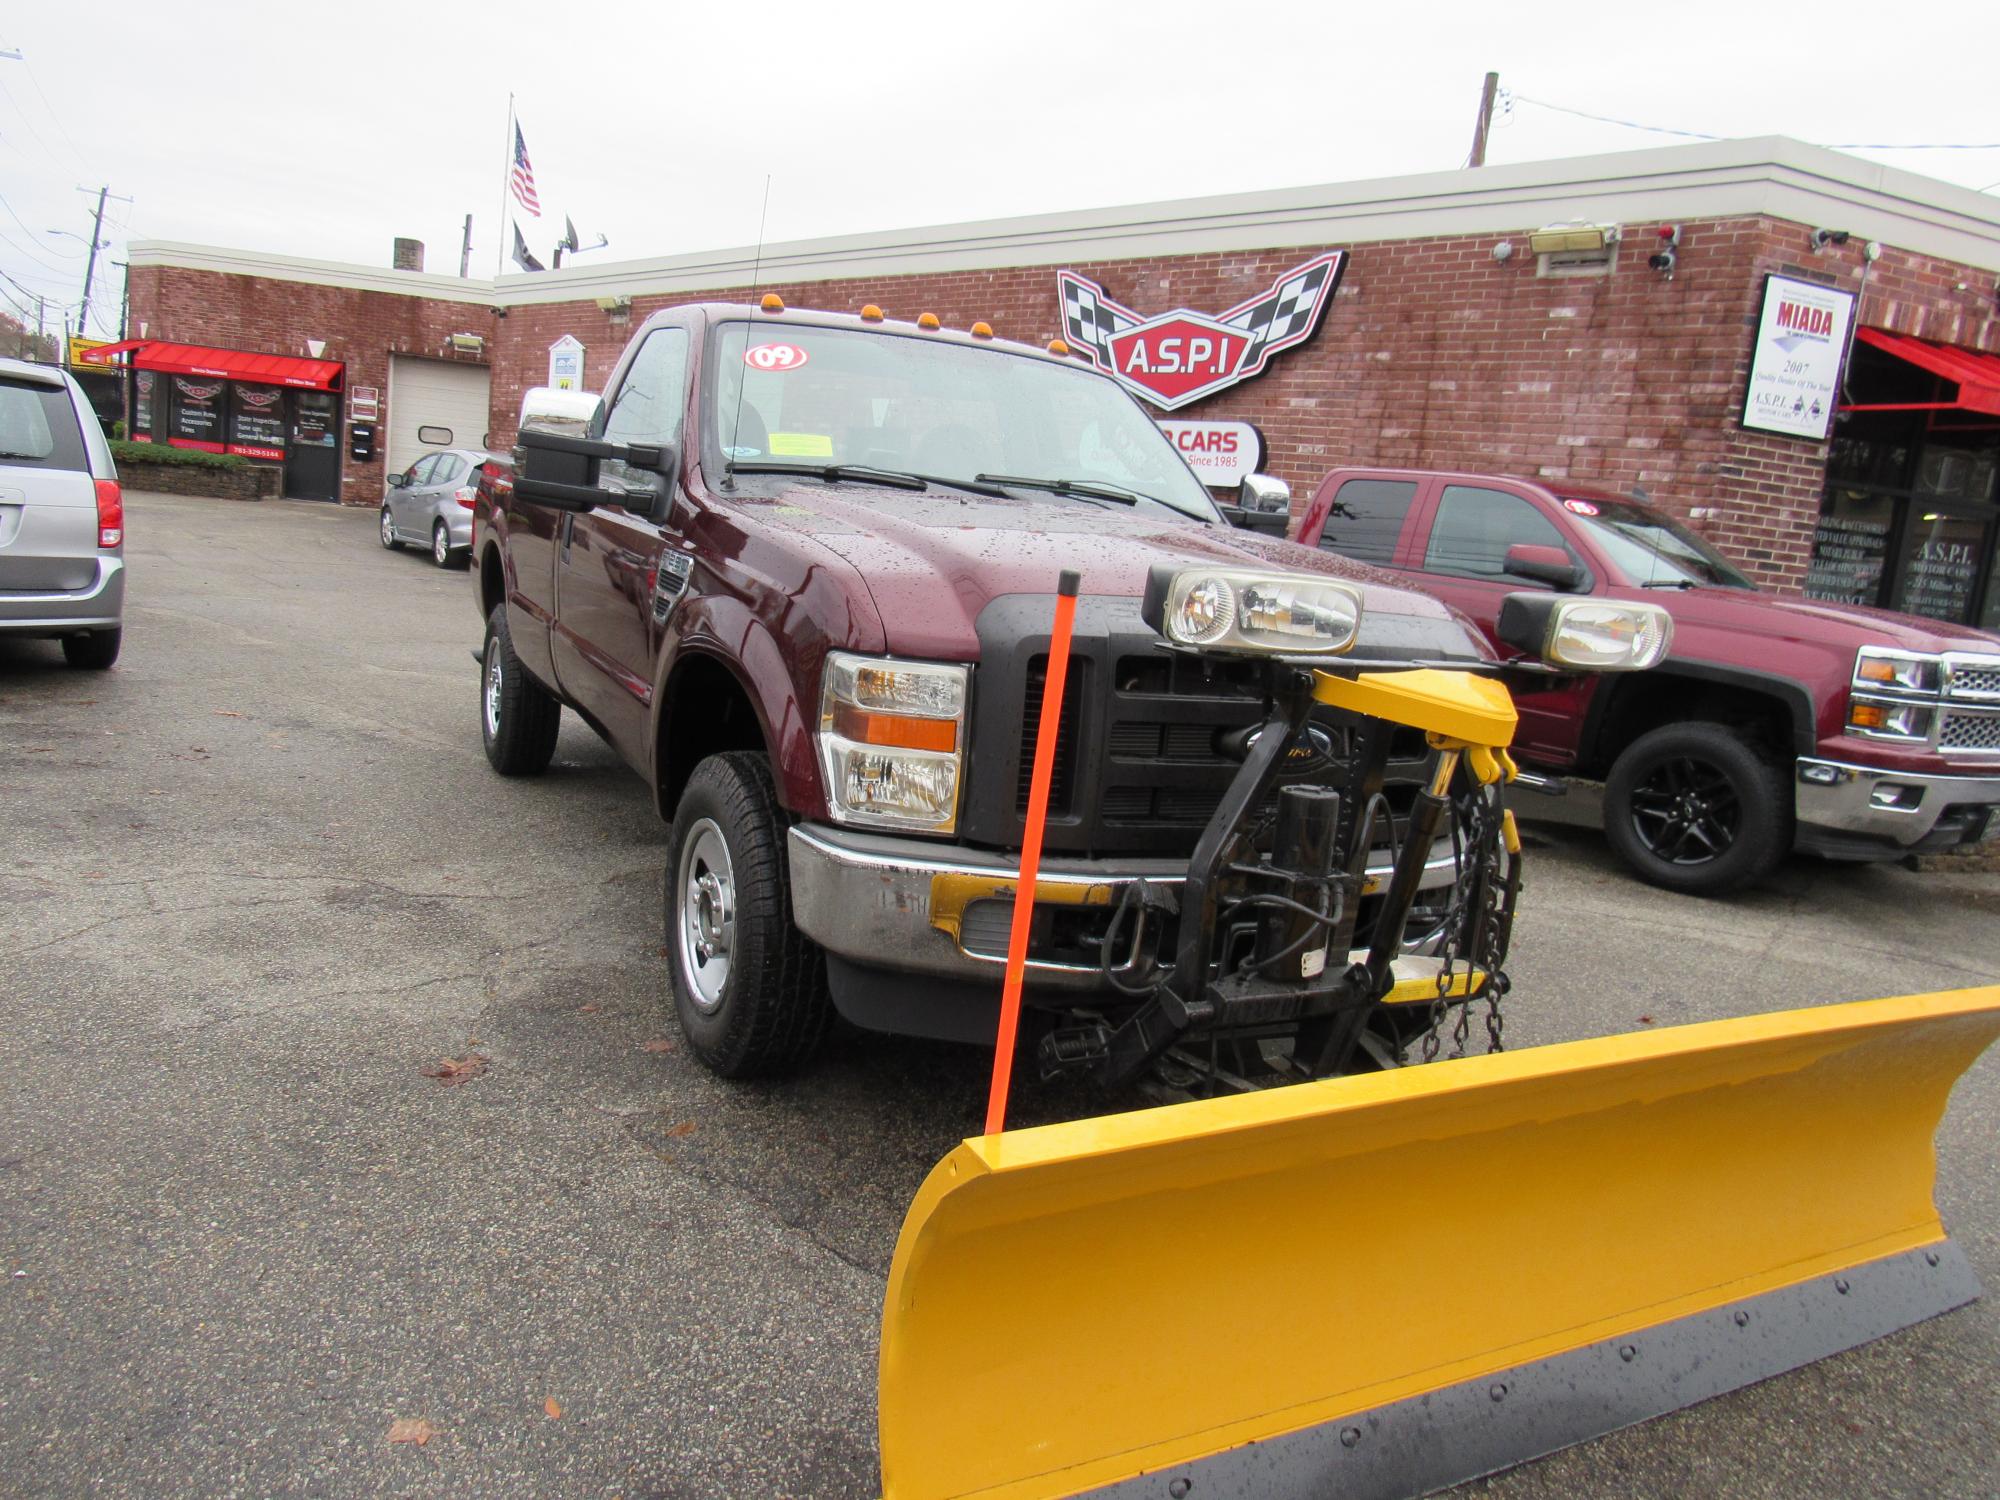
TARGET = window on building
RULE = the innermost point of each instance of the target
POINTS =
(1367, 518)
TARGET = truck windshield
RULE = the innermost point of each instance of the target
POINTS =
(1651, 547)
(795, 395)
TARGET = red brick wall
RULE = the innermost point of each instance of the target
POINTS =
(1432, 354)
(362, 329)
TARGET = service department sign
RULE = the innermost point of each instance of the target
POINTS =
(1183, 356)
(1795, 368)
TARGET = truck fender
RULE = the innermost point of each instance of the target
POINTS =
(1791, 695)
(721, 632)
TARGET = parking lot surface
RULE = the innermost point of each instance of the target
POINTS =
(258, 879)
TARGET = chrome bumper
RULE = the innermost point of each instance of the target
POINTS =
(868, 898)
(1897, 808)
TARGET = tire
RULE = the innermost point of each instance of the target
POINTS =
(95, 651)
(389, 532)
(518, 718)
(1698, 808)
(749, 988)
(441, 552)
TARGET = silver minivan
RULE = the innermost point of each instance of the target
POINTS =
(62, 517)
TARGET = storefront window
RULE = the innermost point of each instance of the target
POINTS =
(1940, 564)
(1851, 547)
(257, 421)
(144, 383)
(196, 413)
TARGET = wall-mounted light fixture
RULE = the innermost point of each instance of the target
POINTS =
(1504, 251)
(1557, 239)
(468, 343)
(1821, 238)
(616, 306)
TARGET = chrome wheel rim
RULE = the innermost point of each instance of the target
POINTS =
(440, 546)
(1686, 811)
(492, 688)
(388, 527)
(707, 925)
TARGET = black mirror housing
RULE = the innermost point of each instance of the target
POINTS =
(1272, 522)
(560, 471)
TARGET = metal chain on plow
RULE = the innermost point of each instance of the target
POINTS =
(1478, 922)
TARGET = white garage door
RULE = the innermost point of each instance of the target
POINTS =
(434, 393)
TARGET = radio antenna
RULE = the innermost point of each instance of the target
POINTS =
(743, 375)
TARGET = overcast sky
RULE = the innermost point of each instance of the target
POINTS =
(326, 131)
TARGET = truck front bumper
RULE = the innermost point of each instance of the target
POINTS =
(1865, 812)
(918, 907)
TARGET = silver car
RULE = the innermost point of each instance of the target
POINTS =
(62, 518)
(429, 505)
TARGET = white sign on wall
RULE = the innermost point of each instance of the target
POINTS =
(566, 364)
(1795, 368)
(1222, 454)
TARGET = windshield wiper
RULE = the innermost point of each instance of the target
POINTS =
(7, 454)
(904, 479)
(1669, 583)
(1090, 488)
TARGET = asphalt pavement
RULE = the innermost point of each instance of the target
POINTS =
(256, 880)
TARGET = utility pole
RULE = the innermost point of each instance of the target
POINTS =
(465, 248)
(90, 266)
(1479, 131)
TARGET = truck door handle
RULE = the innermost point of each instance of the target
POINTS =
(569, 529)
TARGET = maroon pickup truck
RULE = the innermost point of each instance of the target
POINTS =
(1775, 723)
(798, 569)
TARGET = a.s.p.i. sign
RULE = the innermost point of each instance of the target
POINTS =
(1177, 358)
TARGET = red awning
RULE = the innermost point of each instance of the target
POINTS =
(1976, 375)
(223, 364)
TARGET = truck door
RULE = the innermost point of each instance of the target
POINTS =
(1464, 562)
(608, 558)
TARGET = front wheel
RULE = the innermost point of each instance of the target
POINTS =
(389, 530)
(1698, 808)
(518, 719)
(749, 987)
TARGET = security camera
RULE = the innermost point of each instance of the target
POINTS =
(1821, 238)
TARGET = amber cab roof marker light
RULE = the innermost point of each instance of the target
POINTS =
(928, 322)
(871, 314)
(772, 303)
(982, 330)
(1057, 346)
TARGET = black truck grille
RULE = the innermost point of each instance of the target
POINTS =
(1140, 761)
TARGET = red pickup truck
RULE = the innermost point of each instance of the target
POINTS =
(1775, 723)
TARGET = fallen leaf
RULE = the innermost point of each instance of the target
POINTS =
(657, 1044)
(472, 1041)
(1645, 1020)
(453, 1070)
(227, 713)
(591, 1009)
(686, 1127)
(411, 1430)
(554, 1409)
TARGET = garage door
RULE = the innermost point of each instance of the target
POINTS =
(438, 394)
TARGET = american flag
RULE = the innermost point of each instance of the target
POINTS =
(522, 178)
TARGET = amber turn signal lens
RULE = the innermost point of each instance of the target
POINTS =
(1866, 716)
(900, 730)
(1875, 669)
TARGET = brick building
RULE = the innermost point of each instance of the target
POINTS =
(1451, 341)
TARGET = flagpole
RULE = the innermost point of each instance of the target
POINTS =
(506, 173)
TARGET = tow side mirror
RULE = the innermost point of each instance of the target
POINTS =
(560, 471)
(1273, 522)
(552, 410)
(1550, 565)
(1261, 492)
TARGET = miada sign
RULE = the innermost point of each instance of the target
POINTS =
(1184, 356)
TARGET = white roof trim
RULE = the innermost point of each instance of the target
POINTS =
(1769, 176)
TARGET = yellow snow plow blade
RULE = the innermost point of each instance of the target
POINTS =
(1383, 1284)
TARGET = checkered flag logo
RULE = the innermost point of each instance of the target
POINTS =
(1288, 313)
(1091, 319)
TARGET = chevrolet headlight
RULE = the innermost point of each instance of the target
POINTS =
(891, 741)
(1220, 609)
(1884, 719)
(1881, 669)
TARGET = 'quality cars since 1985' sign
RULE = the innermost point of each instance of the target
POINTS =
(1795, 368)
(1180, 357)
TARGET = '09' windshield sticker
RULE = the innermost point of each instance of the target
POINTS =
(774, 356)
(1581, 507)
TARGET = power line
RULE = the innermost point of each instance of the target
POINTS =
(1584, 114)
(1702, 135)
(68, 139)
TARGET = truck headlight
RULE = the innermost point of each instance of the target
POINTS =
(1879, 668)
(1220, 609)
(892, 741)
(1881, 719)
(1586, 635)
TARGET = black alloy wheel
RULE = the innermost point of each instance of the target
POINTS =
(1699, 808)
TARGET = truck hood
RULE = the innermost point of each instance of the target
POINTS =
(1782, 617)
(933, 561)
